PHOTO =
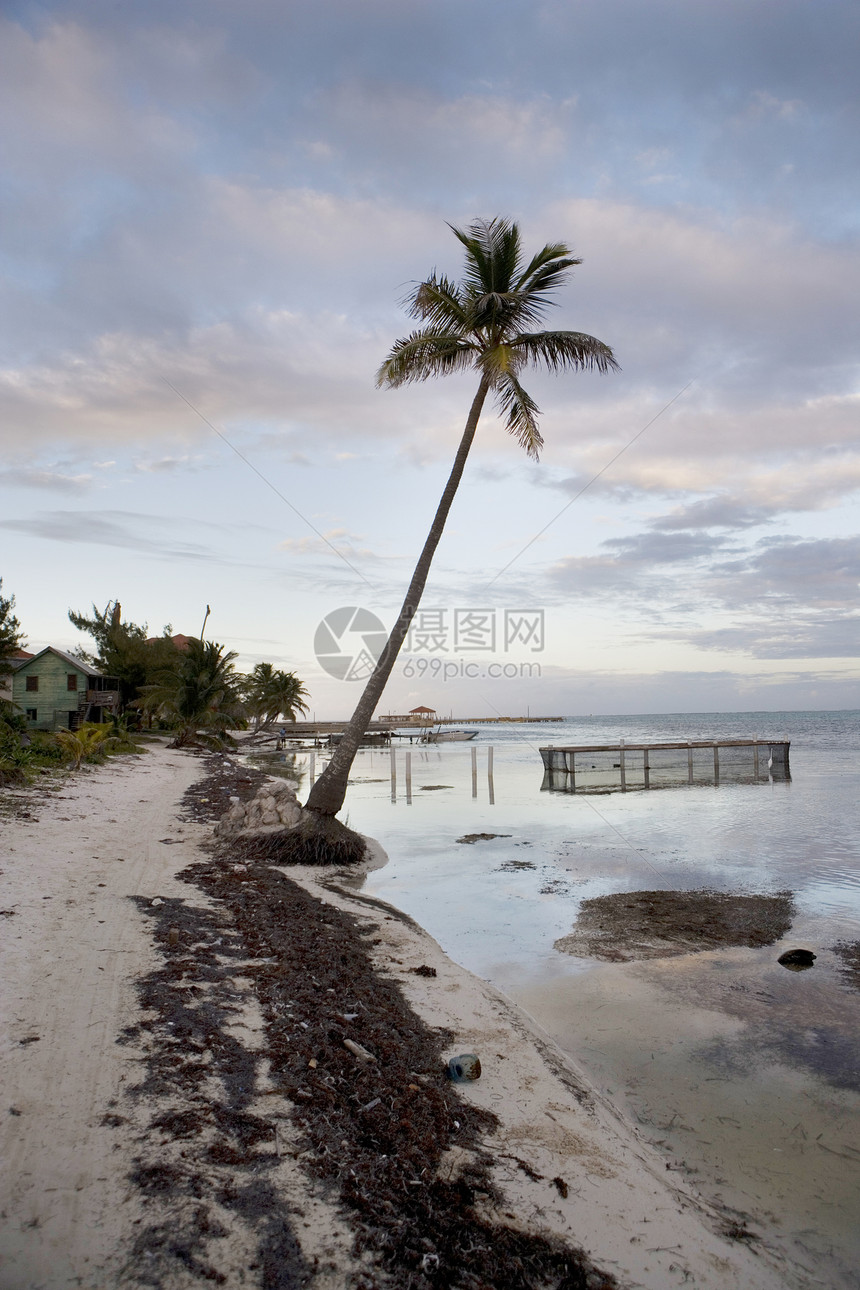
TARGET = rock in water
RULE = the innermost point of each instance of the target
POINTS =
(797, 959)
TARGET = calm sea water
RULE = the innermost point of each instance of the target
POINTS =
(743, 1073)
(500, 920)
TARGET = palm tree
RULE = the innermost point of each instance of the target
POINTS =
(198, 695)
(11, 640)
(86, 743)
(272, 693)
(483, 323)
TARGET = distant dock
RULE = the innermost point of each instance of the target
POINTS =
(394, 726)
(410, 721)
(606, 768)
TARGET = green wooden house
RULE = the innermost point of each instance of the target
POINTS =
(57, 691)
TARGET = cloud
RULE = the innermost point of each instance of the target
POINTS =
(33, 477)
(763, 104)
(663, 548)
(165, 464)
(782, 597)
(236, 204)
(336, 541)
(787, 572)
(644, 567)
(721, 511)
(804, 636)
(113, 529)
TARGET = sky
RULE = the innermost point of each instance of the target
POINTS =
(211, 215)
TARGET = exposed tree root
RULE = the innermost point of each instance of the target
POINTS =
(315, 840)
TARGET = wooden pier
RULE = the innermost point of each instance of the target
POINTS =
(383, 729)
(409, 721)
(662, 765)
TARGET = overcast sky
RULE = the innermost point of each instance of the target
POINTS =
(211, 212)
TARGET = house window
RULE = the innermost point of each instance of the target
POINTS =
(32, 683)
(32, 714)
(71, 680)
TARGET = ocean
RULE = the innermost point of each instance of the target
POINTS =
(802, 834)
(746, 1076)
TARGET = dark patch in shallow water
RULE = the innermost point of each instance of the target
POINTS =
(632, 925)
(829, 1054)
(848, 953)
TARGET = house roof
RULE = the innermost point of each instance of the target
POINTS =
(422, 709)
(181, 642)
(76, 663)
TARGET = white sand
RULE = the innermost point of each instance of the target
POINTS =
(74, 947)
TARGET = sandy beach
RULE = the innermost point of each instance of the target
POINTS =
(164, 1125)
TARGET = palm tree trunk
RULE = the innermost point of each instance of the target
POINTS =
(328, 793)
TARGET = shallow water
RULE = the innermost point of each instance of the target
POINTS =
(739, 1070)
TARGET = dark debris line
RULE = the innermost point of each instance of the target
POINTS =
(370, 1134)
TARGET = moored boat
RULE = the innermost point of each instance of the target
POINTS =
(448, 736)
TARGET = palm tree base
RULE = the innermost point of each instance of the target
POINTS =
(315, 840)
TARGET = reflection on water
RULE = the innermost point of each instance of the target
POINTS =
(741, 1078)
(285, 765)
(745, 1072)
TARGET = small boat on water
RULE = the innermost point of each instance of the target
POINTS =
(441, 736)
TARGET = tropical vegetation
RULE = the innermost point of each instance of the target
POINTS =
(199, 695)
(13, 756)
(125, 650)
(89, 742)
(485, 323)
(11, 637)
(271, 694)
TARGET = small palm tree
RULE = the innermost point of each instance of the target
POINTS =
(484, 323)
(198, 695)
(271, 693)
(87, 742)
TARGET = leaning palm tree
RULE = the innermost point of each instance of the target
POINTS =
(483, 323)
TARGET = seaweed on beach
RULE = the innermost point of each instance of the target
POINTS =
(388, 1138)
(377, 1132)
(202, 1151)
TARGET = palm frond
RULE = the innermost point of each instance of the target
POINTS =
(558, 350)
(493, 255)
(515, 312)
(424, 354)
(520, 412)
(438, 301)
(490, 320)
(501, 359)
(552, 253)
(496, 312)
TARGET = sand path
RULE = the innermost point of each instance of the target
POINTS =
(71, 951)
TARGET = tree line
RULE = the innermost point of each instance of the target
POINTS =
(185, 684)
